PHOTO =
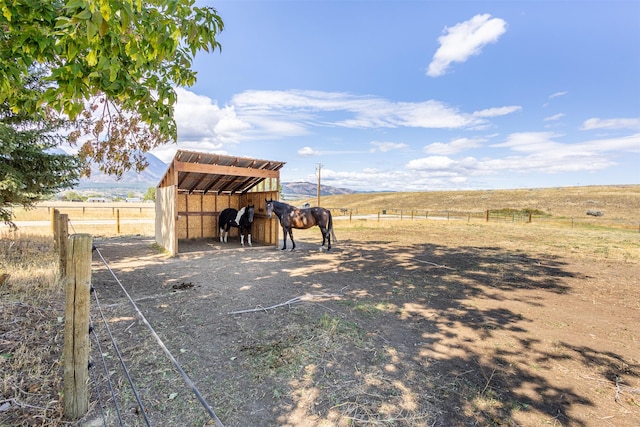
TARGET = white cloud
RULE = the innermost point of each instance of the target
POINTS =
(463, 40)
(554, 117)
(431, 162)
(385, 147)
(557, 94)
(307, 152)
(595, 123)
(203, 126)
(315, 108)
(271, 115)
(199, 118)
(391, 180)
(534, 153)
(630, 144)
(454, 146)
(497, 111)
(529, 142)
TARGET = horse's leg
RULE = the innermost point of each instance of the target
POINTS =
(293, 244)
(325, 237)
(284, 238)
(241, 237)
(221, 234)
(249, 237)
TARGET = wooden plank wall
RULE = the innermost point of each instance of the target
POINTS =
(166, 219)
(264, 230)
(198, 215)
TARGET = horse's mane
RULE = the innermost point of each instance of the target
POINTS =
(281, 203)
(239, 216)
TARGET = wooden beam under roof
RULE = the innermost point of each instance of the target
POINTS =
(225, 170)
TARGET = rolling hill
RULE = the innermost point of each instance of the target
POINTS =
(614, 201)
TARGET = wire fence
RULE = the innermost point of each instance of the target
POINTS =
(499, 216)
(124, 395)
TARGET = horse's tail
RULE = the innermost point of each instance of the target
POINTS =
(333, 235)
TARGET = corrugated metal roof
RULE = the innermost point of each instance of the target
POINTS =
(205, 172)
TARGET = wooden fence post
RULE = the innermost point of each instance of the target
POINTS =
(487, 215)
(76, 327)
(55, 214)
(118, 220)
(63, 237)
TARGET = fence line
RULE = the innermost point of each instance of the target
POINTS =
(78, 327)
(489, 215)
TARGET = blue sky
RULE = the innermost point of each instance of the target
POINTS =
(423, 95)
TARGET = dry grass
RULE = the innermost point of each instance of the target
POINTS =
(622, 201)
(31, 298)
(550, 238)
(100, 220)
(32, 306)
(616, 200)
(564, 207)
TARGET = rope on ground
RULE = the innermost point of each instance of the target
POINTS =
(435, 265)
(307, 297)
(186, 378)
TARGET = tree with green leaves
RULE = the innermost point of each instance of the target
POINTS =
(150, 194)
(107, 66)
(112, 66)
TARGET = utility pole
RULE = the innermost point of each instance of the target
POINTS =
(319, 167)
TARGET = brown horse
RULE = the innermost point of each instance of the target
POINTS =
(291, 217)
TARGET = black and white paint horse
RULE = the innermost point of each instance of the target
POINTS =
(241, 219)
(291, 217)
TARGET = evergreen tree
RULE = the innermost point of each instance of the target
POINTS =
(29, 168)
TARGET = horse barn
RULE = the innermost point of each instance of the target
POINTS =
(198, 186)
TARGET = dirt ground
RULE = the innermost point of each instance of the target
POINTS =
(424, 327)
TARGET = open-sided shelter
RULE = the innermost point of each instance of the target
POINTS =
(198, 186)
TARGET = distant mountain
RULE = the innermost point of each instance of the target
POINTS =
(131, 180)
(303, 190)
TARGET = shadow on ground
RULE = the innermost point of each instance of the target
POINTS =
(414, 335)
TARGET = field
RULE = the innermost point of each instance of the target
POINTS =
(414, 323)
